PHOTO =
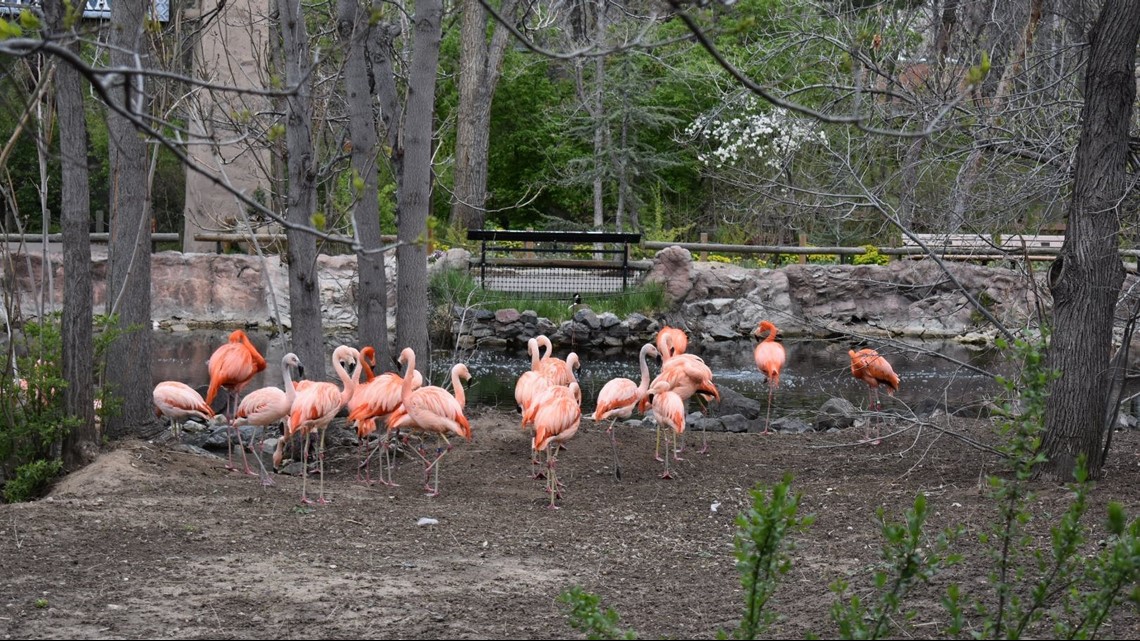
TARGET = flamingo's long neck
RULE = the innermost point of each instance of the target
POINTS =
(349, 381)
(457, 386)
(771, 329)
(644, 386)
(406, 391)
(290, 388)
(532, 348)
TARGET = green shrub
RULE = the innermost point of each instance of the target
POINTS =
(871, 257)
(31, 480)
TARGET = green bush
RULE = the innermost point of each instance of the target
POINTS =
(31, 480)
(871, 257)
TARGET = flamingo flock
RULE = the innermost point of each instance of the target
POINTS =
(548, 398)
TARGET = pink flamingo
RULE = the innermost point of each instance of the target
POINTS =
(528, 388)
(315, 407)
(377, 399)
(233, 366)
(669, 413)
(687, 375)
(178, 402)
(620, 397)
(874, 370)
(433, 410)
(671, 341)
(557, 414)
(558, 371)
(770, 357)
(262, 408)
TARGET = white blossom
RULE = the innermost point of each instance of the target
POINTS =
(768, 137)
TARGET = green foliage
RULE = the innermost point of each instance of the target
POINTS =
(909, 557)
(32, 417)
(31, 480)
(587, 616)
(762, 551)
(871, 257)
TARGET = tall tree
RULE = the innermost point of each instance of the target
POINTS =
(372, 297)
(407, 127)
(128, 291)
(480, 63)
(304, 285)
(1085, 279)
(75, 216)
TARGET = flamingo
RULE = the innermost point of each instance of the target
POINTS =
(377, 399)
(367, 362)
(432, 409)
(262, 408)
(671, 341)
(770, 357)
(687, 375)
(874, 370)
(558, 371)
(532, 348)
(620, 396)
(315, 407)
(233, 366)
(668, 413)
(557, 414)
(528, 388)
(178, 402)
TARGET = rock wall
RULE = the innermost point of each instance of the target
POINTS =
(714, 301)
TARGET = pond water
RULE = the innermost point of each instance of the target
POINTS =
(815, 371)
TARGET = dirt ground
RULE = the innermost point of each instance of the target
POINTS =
(153, 542)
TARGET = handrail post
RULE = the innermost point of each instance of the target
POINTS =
(625, 266)
(483, 264)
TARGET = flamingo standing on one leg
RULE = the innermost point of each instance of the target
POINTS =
(233, 366)
(434, 410)
(770, 357)
(620, 397)
(178, 402)
(262, 408)
(557, 414)
(874, 370)
(671, 341)
(374, 400)
(315, 407)
(669, 414)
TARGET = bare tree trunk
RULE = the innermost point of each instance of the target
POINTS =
(415, 189)
(372, 295)
(304, 286)
(597, 113)
(128, 293)
(1086, 278)
(480, 62)
(75, 216)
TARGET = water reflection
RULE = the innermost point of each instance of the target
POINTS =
(815, 371)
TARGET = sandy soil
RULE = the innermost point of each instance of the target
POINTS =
(154, 542)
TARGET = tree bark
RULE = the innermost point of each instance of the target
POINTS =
(480, 63)
(128, 293)
(1086, 278)
(75, 215)
(372, 295)
(304, 285)
(414, 200)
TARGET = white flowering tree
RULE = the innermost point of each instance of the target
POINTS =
(748, 150)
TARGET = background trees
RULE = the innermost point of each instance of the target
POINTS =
(758, 120)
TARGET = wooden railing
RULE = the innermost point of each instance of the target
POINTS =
(96, 237)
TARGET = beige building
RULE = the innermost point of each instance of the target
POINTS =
(232, 50)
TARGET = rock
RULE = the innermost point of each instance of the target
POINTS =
(706, 424)
(836, 413)
(790, 425)
(588, 318)
(507, 316)
(733, 402)
(673, 268)
(735, 423)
